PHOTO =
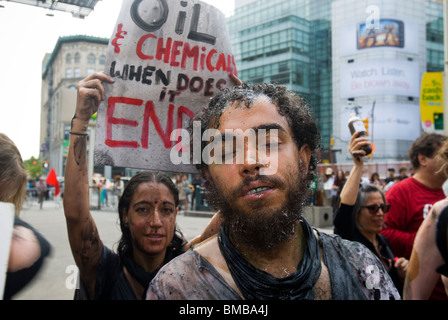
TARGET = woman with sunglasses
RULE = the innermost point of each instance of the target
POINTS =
(360, 215)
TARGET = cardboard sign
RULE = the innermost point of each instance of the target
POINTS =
(168, 58)
(6, 226)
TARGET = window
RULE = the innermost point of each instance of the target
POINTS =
(68, 58)
(91, 59)
(102, 59)
(77, 57)
(90, 71)
(68, 73)
(77, 73)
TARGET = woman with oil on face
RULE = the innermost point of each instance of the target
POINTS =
(148, 210)
(147, 215)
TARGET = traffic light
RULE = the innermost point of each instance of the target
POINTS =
(366, 124)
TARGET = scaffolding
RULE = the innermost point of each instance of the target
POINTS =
(78, 8)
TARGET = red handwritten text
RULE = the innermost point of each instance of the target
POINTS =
(149, 114)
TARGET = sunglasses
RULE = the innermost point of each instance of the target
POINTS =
(374, 208)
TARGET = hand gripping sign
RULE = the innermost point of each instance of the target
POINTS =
(168, 58)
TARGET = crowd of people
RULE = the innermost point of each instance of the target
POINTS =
(389, 244)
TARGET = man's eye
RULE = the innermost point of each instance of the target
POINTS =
(274, 144)
(228, 150)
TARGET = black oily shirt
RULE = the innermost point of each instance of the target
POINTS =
(345, 226)
(111, 282)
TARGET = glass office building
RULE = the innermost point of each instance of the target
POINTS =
(323, 50)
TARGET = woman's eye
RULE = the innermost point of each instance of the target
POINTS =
(141, 209)
(168, 210)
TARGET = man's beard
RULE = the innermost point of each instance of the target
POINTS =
(262, 228)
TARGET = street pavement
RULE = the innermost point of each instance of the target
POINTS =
(56, 280)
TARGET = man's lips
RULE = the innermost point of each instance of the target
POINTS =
(256, 188)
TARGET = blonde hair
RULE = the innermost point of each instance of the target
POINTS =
(13, 175)
(442, 154)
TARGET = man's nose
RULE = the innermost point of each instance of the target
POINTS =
(252, 163)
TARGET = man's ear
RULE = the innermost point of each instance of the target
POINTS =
(305, 154)
(422, 159)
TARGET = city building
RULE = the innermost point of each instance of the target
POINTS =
(73, 58)
(345, 56)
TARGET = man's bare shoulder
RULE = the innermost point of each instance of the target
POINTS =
(191, 276)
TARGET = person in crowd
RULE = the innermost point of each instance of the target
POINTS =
(360, 216)
(264, 248)
(429, 257)
(184, 191)
(328, 182)
(339, 181)
(403, 173)
(412, 198)
(391, 183)
(391, 175)
(376, 181)
(118, 187)
(41, 187)
(197, 184)
(365, 177)
(28, 249)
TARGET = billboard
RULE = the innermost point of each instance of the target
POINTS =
(390, 33)
(431, 102)
(397, 34)
(395, 77)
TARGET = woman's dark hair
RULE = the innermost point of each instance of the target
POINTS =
(125, 243)
(289, 105)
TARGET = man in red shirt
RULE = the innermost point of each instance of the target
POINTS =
(412, 198)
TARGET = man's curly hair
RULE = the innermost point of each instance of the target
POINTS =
(290, 105)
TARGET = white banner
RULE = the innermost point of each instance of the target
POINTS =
(168, 58)
(395, 77)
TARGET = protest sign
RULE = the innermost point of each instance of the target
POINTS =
(168, 58)
(6, 226)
